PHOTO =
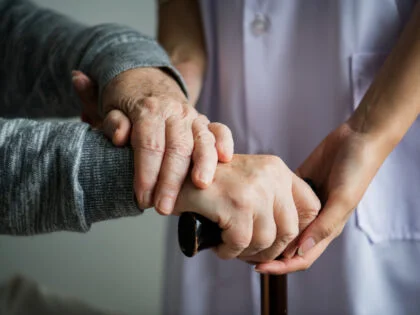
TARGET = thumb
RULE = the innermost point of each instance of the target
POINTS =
(307, 205)
(324, 228)
(87, 92)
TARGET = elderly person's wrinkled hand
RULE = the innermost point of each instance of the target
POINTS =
(147, 107)
(259, 204)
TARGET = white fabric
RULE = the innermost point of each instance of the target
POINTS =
(281, 89)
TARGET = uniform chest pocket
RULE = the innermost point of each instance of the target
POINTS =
(390, 208)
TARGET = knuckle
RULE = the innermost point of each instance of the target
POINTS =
(205, 161)
(145, 184)
(181, 148)
(239, 241)
(222, 128)
(169, 187)
(114, 115)
(151, 105)
(307, 216)
(189, 112)
(263, 240)
(285, 238)
(180, 127)
(271, 164)
(130, 106)
(172, 174)
(150, 144)
(326, 231)
(145, 140)
(271, 160)
(267, 255)
(242, 199)
(175, 107)
(181, 110)
(202, 119)
(224, 221)
(205, 137)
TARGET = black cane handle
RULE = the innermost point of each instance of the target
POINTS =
(196, 232)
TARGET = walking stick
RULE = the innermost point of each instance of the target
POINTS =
(196, 233)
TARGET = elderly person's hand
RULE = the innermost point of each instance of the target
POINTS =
(167, 133)
(260, 205)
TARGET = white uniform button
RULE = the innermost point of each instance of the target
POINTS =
(260, 24)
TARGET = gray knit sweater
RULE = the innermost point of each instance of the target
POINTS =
(61, 175)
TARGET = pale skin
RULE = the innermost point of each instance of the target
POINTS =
(254, 241)
(161, 124)
(258, 202)
(345, 162)
(146, 107)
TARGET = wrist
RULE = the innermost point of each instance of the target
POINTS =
(192, 70)
(381, 137)
(195, 58)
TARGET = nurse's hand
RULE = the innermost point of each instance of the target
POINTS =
(147, 107)
(258, 203)
(341, 167)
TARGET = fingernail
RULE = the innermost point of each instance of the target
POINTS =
(306, 246)
(165, 205)
(147, 196)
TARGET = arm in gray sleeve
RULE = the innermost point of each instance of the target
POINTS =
(61, 176)
(39, 48)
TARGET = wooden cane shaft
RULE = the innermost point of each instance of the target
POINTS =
(273, 295)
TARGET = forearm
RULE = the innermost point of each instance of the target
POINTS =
(180, 33)
(392, 103)
(39, 49)
(60, 176)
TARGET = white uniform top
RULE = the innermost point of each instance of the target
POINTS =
(282, 75)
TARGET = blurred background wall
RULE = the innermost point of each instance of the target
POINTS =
(118, 264)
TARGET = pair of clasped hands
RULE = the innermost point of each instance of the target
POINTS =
(264, 209)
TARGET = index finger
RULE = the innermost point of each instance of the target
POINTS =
(148, 142)
(308, 206)
(175, 164)
(296, 263)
